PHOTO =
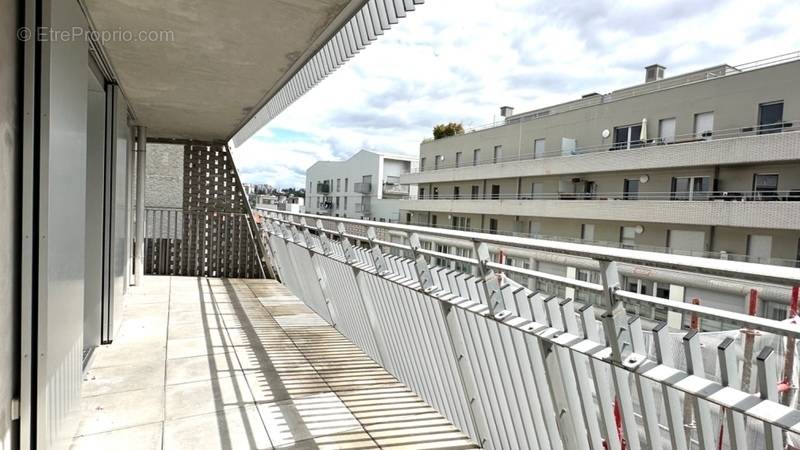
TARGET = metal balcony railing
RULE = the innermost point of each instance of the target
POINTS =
(636, 145)
(791, 195)
(517, 368)
(362, 188)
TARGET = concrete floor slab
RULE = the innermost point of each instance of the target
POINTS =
(260, 373)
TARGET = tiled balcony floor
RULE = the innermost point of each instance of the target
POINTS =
(236, 364)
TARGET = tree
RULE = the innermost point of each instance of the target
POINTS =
(447, 129)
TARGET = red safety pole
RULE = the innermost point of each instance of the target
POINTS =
(785, 387)
(618, 421)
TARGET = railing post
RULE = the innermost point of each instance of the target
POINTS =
(768, 387)
(377, 254)
(347, 247)
(491, 282)
(702, 411)
(421, 265)
(323, 239)
(729, 377)
(609, 277)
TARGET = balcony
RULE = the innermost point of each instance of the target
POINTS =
(238, 364)
(724, 147)
(362, 188)
(323, 188)
(395, 189)
(771, 210)
(485, 349)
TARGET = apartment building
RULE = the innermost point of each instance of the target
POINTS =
(365, 186)
(706, 163)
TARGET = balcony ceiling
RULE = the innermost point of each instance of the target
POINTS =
(226, 60)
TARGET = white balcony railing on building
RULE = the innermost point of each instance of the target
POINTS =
(362, 188)
(791, 195)
(635, 145)
(522, 368)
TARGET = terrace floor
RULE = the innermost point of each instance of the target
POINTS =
(203, 363)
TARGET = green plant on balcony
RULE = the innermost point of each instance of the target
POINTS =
(447, 129)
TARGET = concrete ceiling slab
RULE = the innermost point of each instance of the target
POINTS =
(220, 61)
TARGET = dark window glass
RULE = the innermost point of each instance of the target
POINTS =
(456, 192)
(435, 193)
(495, 192)
(631, 190)
(765, 186)
(475, 190)
(770, 117)
(493, 226)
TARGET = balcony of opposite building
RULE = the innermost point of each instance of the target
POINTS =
(723, 147)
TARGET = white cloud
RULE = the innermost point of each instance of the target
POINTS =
(459, 60)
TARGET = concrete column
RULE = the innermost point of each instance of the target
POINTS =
(141, 175)
(129, 193)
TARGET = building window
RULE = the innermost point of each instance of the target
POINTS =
(463, 266)
(346, 184)
(337, 202)
(461, 223)
(437, 161)
(587, 232)
(493, 226)
(770, 117)
(627, 137)
(759, 248)
(765, 186)
(495, 192)
(536, 229)
(538, 148)
(537, 190)
(475, 192)
(690, 188)
(421, 192)
(456, 192)
(433, 220)
(345, 203)
(630, 189)
(338, 185)
(435, 192)
(497, 156)
(666, 130)
(422, 164)
(458, 159)
(703, 125)
(627, 237)
(476, 155)
(442, 262)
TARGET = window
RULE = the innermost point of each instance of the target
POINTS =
(475, 192)
(345, 203)
(686, 242)
(346, 184)
(759, 248)
(458, 159)
(495, 192)
(537, 190)
(630, 189)
(433, 220)
(703, 125)
(476, 155)
(538, 148)
(421, 192)
(536, 228)
(461, 223)
(770, 117)
(463, 266)
(498, 154)
(442, 262)
(627, 137)
(422, 164)
(493, 226)
(437, 160)
(587, 232)
(337, 202)
(765, 186)
(408, 217)
(666, 130)
(690, 188)
(435, 192)
(338, 185)
(456, 192)
(627, 237)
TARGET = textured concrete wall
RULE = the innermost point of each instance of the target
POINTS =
(164, 184)
(9, 226)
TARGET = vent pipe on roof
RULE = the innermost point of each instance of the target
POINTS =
(654, 72)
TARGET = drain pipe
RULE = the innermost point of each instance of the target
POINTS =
(141, 174)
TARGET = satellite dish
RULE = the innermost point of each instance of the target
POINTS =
(606, 133)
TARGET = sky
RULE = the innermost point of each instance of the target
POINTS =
(460, 60)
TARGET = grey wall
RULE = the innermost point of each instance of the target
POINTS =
(164, 185)
(9, 229)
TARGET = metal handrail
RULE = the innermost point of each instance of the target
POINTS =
(728, 195)
(785, 276)
(787, 126)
